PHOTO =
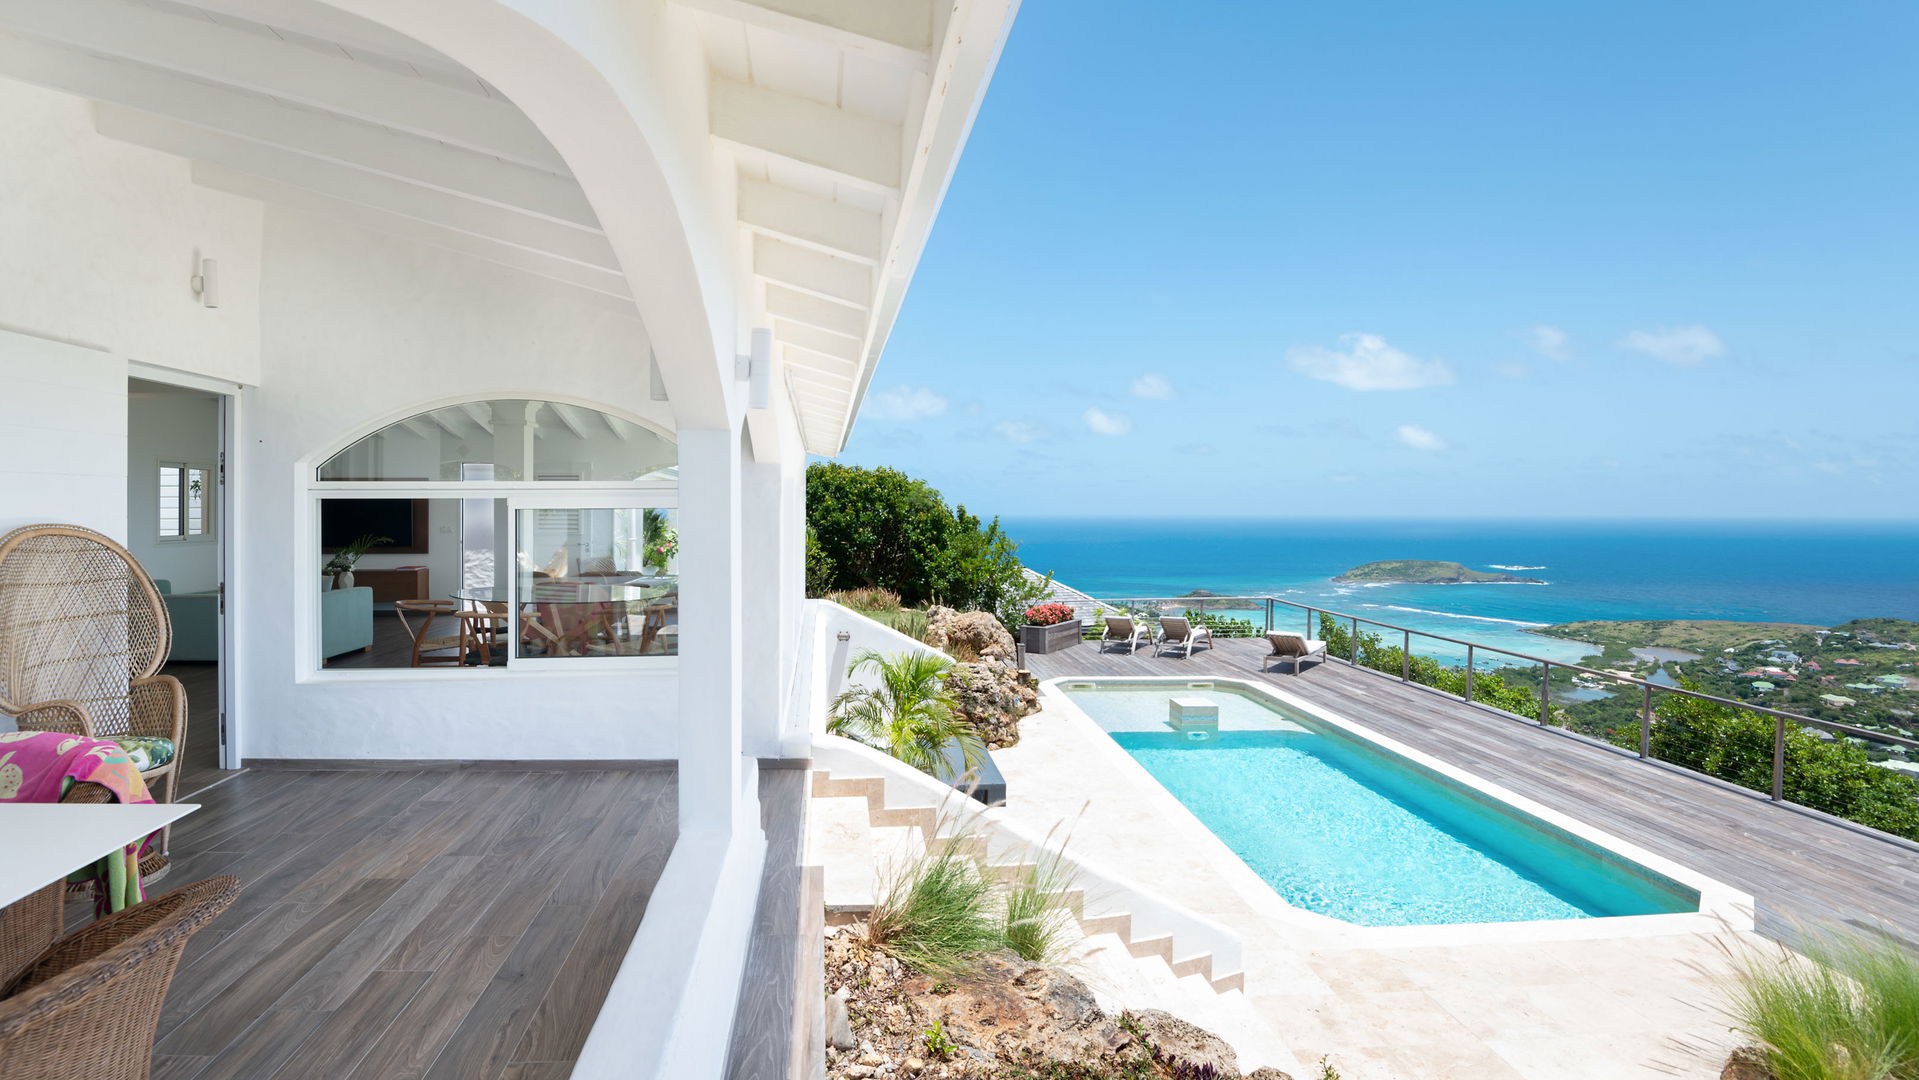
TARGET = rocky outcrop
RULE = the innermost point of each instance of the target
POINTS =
(992, 697)
(1006, 1012)
(1747, 1063)
(968, 635)
(1189, 1044)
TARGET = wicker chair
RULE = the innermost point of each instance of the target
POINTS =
(32, 923)
(83, 634)
(87, 1008)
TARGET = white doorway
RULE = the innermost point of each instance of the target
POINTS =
(179, 510)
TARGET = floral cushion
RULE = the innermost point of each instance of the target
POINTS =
(148, 752)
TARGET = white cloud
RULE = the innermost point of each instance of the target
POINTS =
(1152, 385)
(1550, 342)
(904, 403)
(1105, 423)
(1419, 438)
(1513, 369)
(1019, 431)
(1366, 362)
(1687, 345)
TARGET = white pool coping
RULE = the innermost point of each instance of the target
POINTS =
(1722, 908)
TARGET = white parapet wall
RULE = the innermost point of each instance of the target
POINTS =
(1107, 891)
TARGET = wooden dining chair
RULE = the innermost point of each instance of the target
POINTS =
(423, 640)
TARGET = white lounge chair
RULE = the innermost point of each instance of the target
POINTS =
(1179, 632)
(1125, 630)
(1298, 648)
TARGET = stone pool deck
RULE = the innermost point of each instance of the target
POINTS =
(1415, 1006)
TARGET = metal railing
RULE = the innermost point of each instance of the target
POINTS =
(1264, 618)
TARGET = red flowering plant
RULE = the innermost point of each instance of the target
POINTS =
(1048, 614)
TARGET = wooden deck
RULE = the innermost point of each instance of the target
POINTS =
(400, 924)
(1799, 867)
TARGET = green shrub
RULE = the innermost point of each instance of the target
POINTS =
(1848, 1010)
(1488, 688)
(882, 528)
(1226, 626)
(907, 621)
(1733, 744)
(936, 914)
(867, 600)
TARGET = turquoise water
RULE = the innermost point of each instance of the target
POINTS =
(1342, 828)
(1761, 571)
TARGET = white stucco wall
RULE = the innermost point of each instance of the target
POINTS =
(99, 241)
(358, 330)
(63, 435)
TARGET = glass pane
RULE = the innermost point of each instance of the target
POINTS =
(196, 502)
(507, 440)
(170, 500)
(597, 582)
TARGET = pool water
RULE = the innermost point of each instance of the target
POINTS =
(1347, 829)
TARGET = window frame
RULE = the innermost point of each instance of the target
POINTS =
(209, 500)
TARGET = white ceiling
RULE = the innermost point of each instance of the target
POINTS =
(824, 107)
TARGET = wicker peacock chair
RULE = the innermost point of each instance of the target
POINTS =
(83, 633)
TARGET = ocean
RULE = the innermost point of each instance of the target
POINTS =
(1822, 573)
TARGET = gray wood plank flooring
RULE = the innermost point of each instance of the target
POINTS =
(1800, 868)
(410, 924)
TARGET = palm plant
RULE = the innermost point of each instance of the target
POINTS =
(908, 712)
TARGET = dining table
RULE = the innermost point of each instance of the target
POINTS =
(573, 615)
(41, 843)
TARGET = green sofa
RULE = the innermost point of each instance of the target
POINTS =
(346, 621)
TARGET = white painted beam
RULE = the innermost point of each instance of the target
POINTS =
(438, 417)
(321, 21)
(260, 119)
(833, 227)
(473, 413)
(824, 342)
(897, 32)
(846, 145)
(800, 307)
(618, 427)
(235, 57)
(609, 286)
(568, 418)
(811, 271)
(586, 246)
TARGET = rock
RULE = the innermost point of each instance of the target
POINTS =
(912, 1065)
(968, 635)
(858, 1072)
(873, 1058)
(839, 1029)
(1013, 1009)
(992, 697)
(1177, 1040)
(1268, 1073)
(1746, 1063)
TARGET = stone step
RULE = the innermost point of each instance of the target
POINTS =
(840, 840)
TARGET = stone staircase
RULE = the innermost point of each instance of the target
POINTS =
(856, 836)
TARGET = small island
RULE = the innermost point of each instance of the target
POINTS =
(1427, 572)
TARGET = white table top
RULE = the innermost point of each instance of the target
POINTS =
(43, 842)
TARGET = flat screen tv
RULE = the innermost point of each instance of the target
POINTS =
(343, 521)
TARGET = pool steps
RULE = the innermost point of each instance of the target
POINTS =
(899, 824)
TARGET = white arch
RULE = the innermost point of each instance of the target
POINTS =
(310, 462)
(625, 110)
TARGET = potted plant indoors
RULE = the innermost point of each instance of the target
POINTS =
(1049, 628)
(341, 565)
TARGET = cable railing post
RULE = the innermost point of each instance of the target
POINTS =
(1645, 724)
(1778, 759)
(1545, 692)
(1355, 641)
(1269, 614)
(1469, 674)
(1406, 656)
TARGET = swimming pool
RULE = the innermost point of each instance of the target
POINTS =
(1344, 827)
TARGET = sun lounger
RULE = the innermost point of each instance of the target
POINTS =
(1178, 632)
(1295, 647)
(1125, 630)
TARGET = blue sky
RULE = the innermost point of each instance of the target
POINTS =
(1470, 259)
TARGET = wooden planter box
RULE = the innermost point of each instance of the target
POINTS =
(1045, 639)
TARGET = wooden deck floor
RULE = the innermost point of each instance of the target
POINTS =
(1797, 866)
(401, 925)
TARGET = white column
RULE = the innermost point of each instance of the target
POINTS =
(771, 600)
(712, 770)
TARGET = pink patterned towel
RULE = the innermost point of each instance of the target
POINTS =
(40, 766)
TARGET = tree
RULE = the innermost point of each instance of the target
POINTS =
(879, 528)
(909, 714)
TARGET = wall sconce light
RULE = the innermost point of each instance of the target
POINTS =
(846, 635)
(756, 369)
(206, 283)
